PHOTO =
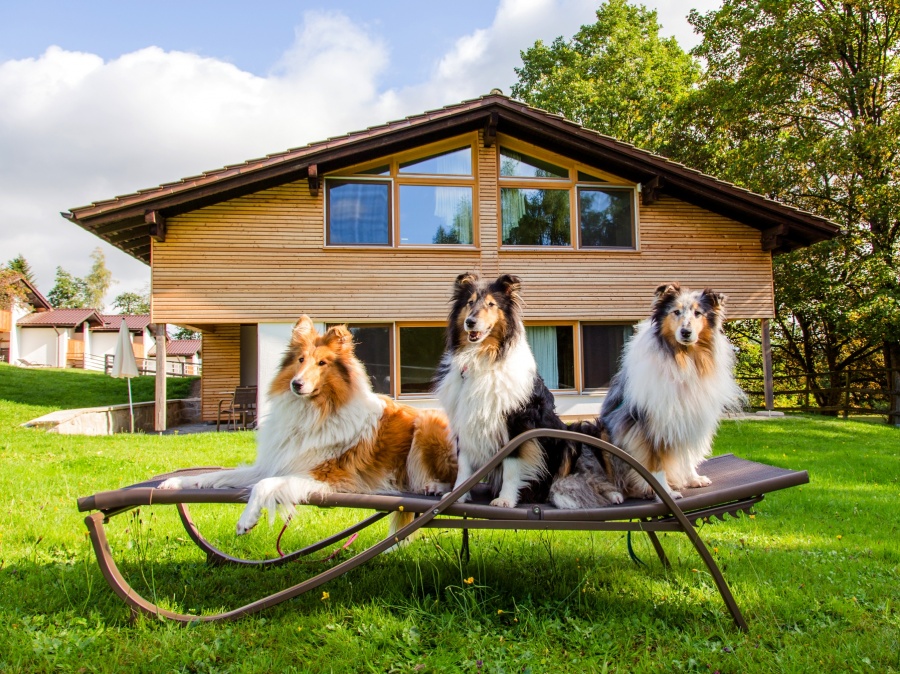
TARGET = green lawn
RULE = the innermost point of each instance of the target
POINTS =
(816, 571)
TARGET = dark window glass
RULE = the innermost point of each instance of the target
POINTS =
(359, 212)
(606, 217)
(373, 348)
(376, 171)
(554, 352)
(420, 354)
(452, 163)
(588, 178)
(535, 217)
(602, 348)
(435, 214)
(517, 165)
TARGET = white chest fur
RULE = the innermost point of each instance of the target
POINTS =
(478, 394)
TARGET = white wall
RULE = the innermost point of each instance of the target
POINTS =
(272, 340)
(43, 345)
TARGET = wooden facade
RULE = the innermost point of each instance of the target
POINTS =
(250, 244)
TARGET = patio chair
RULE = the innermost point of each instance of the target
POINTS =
(30, 363)
(737, 485)
(239, 410)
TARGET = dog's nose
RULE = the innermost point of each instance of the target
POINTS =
(470, 323)
(685, 333)
(297, 386)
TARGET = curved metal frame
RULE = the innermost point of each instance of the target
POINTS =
(675, 520)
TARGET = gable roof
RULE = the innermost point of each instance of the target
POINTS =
(35, 297)
(61, 318)
(179, 347)
(135, 322)
(128, 221)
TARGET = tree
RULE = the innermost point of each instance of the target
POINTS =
(68, 291)
(11, 289)
(98, 281)
(132, 303)
(184, 333)
(20, 264)
(799, 102)
(616, 76)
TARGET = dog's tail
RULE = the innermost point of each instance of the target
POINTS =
(397, 521)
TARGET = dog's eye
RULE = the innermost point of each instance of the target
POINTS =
(698, 314)
(300, 359)
(677, 312)
(491, 304)
(470, 303)
(321, 363)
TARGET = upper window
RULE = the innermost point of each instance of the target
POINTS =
(555, 202)
(421, 201)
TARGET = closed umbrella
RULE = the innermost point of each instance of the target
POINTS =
(124, 364)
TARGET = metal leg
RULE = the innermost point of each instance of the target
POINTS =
(659, 549)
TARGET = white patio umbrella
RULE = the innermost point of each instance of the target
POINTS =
(124, 364)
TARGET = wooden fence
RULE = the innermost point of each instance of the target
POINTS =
(870, 391)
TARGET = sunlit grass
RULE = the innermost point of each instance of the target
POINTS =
(815, 570)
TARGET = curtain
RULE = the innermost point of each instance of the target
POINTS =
(542, 340)
(512, 209)
(453, 206)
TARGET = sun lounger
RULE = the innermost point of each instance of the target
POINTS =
(737, 484)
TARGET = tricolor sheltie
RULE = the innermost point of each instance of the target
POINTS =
(675, 383)
(489, 385)
(328, 432)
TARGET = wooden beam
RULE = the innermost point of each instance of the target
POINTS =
(769, 382)
(650, 190)
(313, 178)
(159, 423)
(773, 238)
(490, 129)
(157, 223)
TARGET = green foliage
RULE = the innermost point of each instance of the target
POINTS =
(815, 570)
(20, 264)
(11, 288)
(68, 291)
(132, 303)
(184, 333)
(617, 76)
(98, 281)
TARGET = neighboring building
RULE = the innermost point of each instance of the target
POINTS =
(373, 227)
(80, 338)
(183, 356)
(34, 301)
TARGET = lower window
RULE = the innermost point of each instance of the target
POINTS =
(373, 348)
(420, 354)
(602, 346)
(553, 347)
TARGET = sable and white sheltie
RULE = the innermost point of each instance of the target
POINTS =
(328, 432)
(489, 385)
(675, 383)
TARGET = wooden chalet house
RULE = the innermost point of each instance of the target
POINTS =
(372, 228)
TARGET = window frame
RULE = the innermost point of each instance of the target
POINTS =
(397, 365)
(573, 184)
(585, 389)
(357, 180)
(576, 352)
(397, 179)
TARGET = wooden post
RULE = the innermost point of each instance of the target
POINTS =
(768, 378)
(159, 423)
(846, 394)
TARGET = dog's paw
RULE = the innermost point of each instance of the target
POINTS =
(501, 502)
(699, 481)
(465, 498)
(245, 524)
(174, 483)
(614, 497)
(437, 488)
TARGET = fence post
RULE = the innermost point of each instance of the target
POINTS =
(768, 381)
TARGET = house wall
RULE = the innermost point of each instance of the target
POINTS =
(221, 369)
(264, 260)
(46, 346)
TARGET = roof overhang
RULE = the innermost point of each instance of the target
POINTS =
(131, 221)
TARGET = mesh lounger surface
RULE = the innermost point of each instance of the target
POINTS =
(736, 485)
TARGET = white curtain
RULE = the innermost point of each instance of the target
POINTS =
(453, 205)
(512, 209)
(542, 340)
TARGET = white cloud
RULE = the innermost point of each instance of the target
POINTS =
(75, 128)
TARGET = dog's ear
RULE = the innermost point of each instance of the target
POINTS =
(466, 281)
(667, 289)
(509, 284)
(339, 339)
(716, 301)
(304, 329)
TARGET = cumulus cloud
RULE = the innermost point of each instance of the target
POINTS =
(75, 128)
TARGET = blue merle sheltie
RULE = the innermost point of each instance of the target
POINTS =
(490, 388)
(675, 383)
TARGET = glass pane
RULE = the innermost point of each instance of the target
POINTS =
(554, 352)
(606, 217)
(373, 348)
(535, 217)
(431, 214)
(452, 163)
(588, 178)
(602, 348)
(358, 213)
(420, 353)
(518, 165)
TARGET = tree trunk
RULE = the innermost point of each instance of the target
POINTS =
(892, 361)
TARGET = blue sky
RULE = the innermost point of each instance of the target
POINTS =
(100, 98)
